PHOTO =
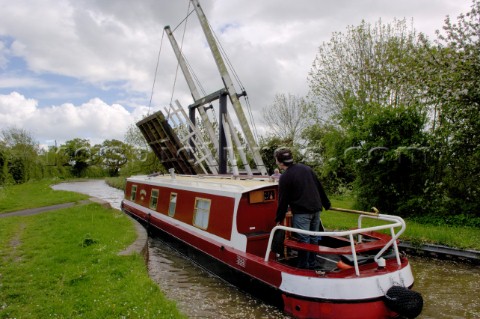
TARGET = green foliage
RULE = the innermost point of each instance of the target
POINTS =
(79, 155)
(390, 159)
(116, 182)
(21, 160)
(54, 171)
(268, 147)
(94, 171)
(114, 155)
(374, 140)
(19, 153)
(326, 146)
(3, 163)
(452, 86)
(466, 220)
(141, 161)
(17, 170)
(380, 151)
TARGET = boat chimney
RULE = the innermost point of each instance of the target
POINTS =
(172, 173)
(381, 263)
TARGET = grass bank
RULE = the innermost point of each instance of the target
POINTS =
(34, 194)
(65, 264)
(452, 236)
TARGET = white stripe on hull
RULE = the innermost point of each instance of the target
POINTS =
(345, 288)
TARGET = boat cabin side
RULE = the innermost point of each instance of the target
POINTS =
(249, 213)
(256, 217)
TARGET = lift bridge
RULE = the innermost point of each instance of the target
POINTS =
(181, 145)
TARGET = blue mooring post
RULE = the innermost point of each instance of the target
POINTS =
(222, 142)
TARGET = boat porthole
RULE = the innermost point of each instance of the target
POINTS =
(298, 308)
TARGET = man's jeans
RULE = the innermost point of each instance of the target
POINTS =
(306, 222)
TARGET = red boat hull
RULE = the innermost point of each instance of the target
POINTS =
(333, 310)
(235, 237)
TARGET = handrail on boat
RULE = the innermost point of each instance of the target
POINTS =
(395, 222)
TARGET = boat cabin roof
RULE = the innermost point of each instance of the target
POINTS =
(230, 185)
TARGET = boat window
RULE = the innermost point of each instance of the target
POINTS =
(133, 194)
(262, 196)
(202, 212)
(173, 204)
(154, 199)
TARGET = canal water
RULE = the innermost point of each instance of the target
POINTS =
(450, 290)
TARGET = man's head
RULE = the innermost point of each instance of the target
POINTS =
(283, 156)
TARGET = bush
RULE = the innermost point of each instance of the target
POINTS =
(391, 161)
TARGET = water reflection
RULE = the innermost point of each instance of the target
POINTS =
(198, 293)
(450, 290)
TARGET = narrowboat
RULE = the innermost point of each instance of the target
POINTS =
(360, 273)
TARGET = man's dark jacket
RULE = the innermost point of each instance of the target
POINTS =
(300, 189)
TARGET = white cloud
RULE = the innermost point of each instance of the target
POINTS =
(15, 109)
(94, 120)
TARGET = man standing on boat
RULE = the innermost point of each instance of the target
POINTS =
(300, 189)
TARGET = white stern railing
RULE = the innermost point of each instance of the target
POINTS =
(395, 222)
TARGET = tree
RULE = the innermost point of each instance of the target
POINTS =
(326, 146)
(287, 117)
(79, 155)
(20, 153)
(141, 158)
(372, 63)
(452, 68)
(114, 155)
(268, 145)
(389, 160)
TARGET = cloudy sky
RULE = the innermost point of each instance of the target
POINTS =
(86, 68)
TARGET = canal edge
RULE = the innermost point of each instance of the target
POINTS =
(140, 245)
(441, 252)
